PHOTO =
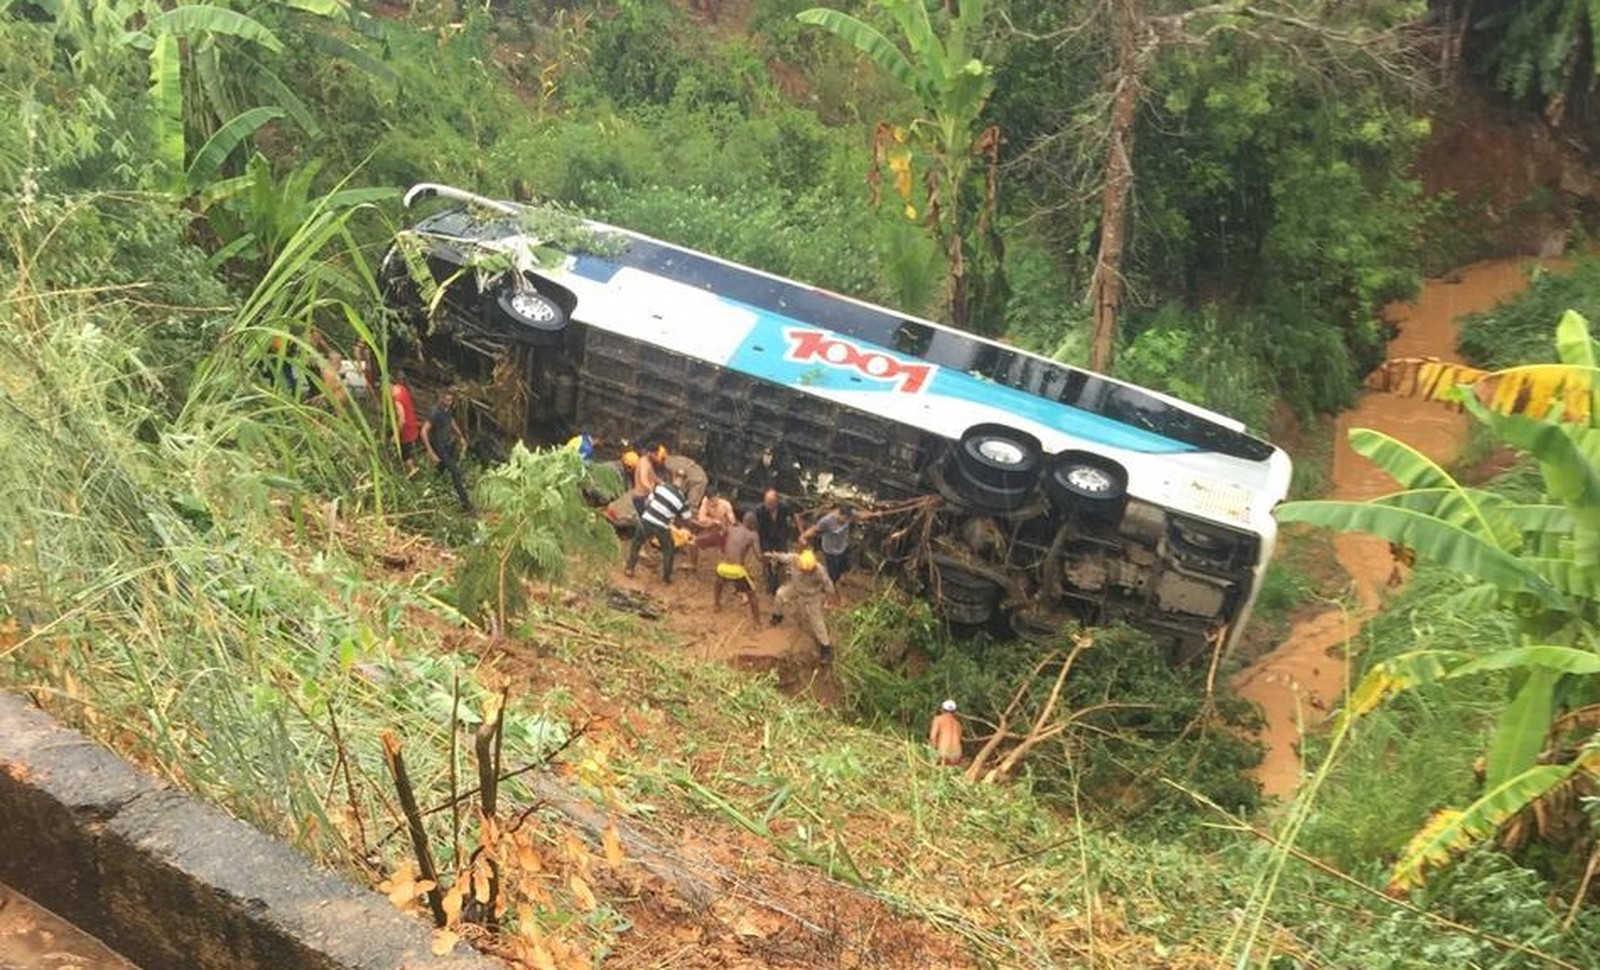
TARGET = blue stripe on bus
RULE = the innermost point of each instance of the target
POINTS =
(765, 354)
(594, 268)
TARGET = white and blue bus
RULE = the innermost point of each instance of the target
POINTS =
(1052, 492)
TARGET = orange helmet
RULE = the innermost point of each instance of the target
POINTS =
(630, 459)
(807, 561)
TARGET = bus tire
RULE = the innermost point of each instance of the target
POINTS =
(532, 315)
(961, 595)
(995, 468)
(1087, 483)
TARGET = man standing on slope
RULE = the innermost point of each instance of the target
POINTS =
(440, 435)
(407, 429)
(664, 505)
(944, 735)
(776, 524)
(806, 589)
(645, 475)
(736, 548)
(834, 532)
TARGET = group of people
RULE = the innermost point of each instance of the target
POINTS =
(771, 540)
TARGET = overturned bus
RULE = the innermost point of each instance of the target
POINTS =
(1030, 491)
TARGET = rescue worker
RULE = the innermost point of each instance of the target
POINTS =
(696, 480)
(806, 589)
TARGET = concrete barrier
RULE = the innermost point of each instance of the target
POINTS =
(169, 882)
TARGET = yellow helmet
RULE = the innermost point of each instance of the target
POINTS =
(807, 561)
(630, 459)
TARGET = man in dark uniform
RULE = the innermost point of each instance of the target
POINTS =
(440, 435)
(776, 526)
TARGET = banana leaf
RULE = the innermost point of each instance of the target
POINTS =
(1434, 540)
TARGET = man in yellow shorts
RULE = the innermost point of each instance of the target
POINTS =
(732, 570)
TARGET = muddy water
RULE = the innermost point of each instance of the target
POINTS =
(1303, 678)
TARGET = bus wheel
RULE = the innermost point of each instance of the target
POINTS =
(1096, 487)
(962, 596)
(995, 468)
(531, 313)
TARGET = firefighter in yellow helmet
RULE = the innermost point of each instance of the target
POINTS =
(805, 589)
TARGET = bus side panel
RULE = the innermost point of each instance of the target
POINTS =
(725, 420)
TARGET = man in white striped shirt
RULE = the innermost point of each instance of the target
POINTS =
(663, 506)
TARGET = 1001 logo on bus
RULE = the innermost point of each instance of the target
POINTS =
(821, 347)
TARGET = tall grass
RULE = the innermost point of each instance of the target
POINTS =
(156, 587)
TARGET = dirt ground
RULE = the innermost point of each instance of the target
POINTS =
(697, 891)
(33, 938)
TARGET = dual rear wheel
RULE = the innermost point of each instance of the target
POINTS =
(997, 470)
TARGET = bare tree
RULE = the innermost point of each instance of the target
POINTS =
(1100, 162)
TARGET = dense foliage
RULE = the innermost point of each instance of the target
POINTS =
(195, 195)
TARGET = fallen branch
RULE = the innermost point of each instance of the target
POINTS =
(419, 835)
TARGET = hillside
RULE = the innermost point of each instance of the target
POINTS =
(213, 560)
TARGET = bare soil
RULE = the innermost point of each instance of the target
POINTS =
(760, 910)
(33, 938)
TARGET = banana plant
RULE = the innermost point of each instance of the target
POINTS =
(1540, 561)
(212, 82)
(952, 86)
(255, 214)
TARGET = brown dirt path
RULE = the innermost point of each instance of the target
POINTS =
(1303, 678)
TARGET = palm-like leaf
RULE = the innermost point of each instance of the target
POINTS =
(1439, 542)
(203, 18)
(1570, 476)
(1481, 513)
(888, 58)
(1568, 389)
(1452, 831)
(1397, 675)
(1519, 735)
(208, 161)
(166, 91)
(1405, 464)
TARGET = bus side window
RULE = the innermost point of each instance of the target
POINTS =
(912, 338)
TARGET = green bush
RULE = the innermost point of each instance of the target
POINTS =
(1195, 356)
(1422, 743)
(1518, 330)
(1139, 720)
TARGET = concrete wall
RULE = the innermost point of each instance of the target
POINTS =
(171, 883)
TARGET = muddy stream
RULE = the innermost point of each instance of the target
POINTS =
(1302, 679)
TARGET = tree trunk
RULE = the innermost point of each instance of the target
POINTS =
(1105, 287)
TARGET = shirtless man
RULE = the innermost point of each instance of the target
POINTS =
(713, 518)
(732, 569)
(944, 735)
(645, 478)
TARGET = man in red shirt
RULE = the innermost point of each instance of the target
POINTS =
(407, 428)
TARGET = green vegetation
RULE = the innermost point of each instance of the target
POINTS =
(1518, 332)
(224, 573)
